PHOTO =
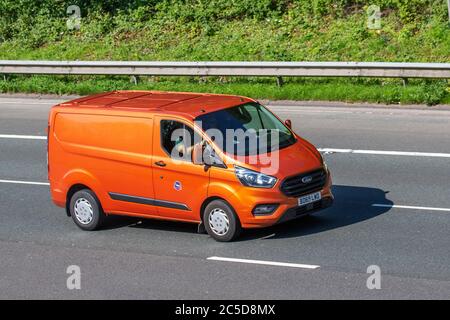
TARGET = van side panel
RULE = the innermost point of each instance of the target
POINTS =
(107, 153)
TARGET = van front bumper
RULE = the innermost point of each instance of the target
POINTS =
(287, 210)
(297, 212)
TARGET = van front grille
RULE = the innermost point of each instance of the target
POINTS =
(299, 185)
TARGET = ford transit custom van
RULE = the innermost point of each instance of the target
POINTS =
(224, 162)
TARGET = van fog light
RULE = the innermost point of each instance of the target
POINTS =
(264, 209)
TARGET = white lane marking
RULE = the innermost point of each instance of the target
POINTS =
(25, 182)
(327, 150)
(17, 136)
(261, 261)
(269, 263)
(409, 207)
(389, 153)
(310, 111)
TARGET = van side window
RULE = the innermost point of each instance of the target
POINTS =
(177, 139)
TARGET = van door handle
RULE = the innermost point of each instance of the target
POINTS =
(160, 163)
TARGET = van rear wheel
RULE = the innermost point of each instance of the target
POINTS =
(86, 210)
(221, 222)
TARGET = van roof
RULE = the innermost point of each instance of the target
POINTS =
(186, 104)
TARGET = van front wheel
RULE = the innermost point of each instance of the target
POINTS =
(86, 210)
(221, 221)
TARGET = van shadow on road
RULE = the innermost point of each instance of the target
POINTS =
(352, 205)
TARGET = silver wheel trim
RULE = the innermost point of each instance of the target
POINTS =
(218, 221)
(83, 211)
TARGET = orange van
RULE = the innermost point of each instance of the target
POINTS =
(223, 162)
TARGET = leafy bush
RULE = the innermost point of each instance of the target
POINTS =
(286, 30)
(24, 19)
(434, 91)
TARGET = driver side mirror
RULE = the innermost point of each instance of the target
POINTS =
(205, 155)
(288, 123)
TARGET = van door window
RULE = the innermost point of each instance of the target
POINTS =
(177, 139)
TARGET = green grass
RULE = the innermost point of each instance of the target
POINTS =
(379, 91)
(270, 30)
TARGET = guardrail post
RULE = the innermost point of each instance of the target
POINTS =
(280, 81)
(405, 81)
(134, 80)
(448, 9)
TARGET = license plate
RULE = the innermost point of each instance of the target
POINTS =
(310, 198)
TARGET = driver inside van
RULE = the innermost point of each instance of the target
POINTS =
(182, 149)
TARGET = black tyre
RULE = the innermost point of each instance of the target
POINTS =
(86, 210)
(221, 222)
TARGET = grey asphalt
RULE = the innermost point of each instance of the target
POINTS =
(148, 259)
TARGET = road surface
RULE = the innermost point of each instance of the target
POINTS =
(391, 174)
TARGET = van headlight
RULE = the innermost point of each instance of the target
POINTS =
(252, 178)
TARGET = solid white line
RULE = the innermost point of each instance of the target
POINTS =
(409, 207)
(332, 150)
(17, 136)
(269, 263)
(390, 153)
(273, 263)
(311, 111)
(25, 182)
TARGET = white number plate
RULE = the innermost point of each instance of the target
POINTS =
(310, 198)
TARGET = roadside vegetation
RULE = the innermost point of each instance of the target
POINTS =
(191, 30)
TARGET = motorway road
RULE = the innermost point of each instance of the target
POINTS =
(391, 210)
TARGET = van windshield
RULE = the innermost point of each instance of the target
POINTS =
(247, 129)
